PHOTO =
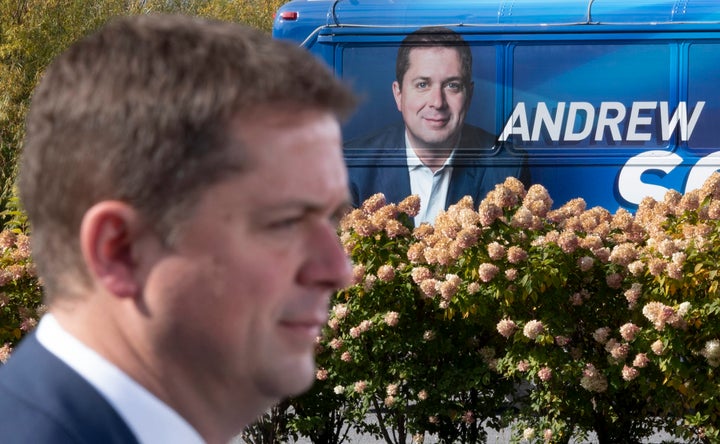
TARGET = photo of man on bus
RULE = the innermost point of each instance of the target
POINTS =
(445, 158)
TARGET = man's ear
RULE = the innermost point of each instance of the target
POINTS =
(397, 93)
(108, 232)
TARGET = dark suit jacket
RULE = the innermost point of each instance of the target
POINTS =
(378, 164)
(42, 400)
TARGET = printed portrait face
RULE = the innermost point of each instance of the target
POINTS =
(245, 287)
(433, 97)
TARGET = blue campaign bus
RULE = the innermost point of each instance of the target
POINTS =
(608, 100)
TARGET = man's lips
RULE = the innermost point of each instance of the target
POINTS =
(305, 328)
(438, 122)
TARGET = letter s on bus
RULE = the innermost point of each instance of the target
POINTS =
(633, 189)
(630, 185)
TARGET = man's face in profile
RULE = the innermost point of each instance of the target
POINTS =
(433, 98)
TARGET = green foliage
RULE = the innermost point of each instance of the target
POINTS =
(557, 323)
(33, 32)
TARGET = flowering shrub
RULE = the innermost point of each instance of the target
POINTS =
(20, 295)
(560, 322)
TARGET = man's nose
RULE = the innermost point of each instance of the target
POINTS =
(327, 265)
(437, 97)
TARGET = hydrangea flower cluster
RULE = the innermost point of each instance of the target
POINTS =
(604, 320)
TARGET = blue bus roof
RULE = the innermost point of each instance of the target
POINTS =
(312, 15)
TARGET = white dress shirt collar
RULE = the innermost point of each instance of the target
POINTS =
(432, 187)
(150, 419)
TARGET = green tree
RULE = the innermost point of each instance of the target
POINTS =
(33, 32)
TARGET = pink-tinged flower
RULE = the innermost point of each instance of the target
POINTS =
(360, 386)
(410, 205)
(658, 347)
(358, 274)
(487, 272)
(389, 401)
(321, 374)
(636, 268)
(429, 335)
(628, 331)
(601, 334)
(523, 366)
(674, 271)
(369, 282)
(656, 266)
(450, 286)
(365, 326)
(617, 350)
(28, 324)
(683, 309)
(468, 236)
(473, 287)
(429, 287)
(516, 255)
(529, 433)
(568, 241)
(5, 352)
(538, 200)
(416, 254)
(355, 332)
(433, 419)
(577, 299)
(523, 219)
(548, 435)
(602, 254)
(506, 328)
(489, 213)
(365, 228)
(391, 318)
(386, 273)
(562, 341)
(623, 254)
(679, 258)
(593, 380)
(422, 395)
(334, 324)
(346, 357)
(533, 329)
(633, 294)
(392, 389)
(629, 373)
(374, 203)
(659, 314)
(586, 263)
(468, 417)
(420, 274)
(545, 374)
(340, 311)
(511, 274)
(641, 360)
(423, 231)
(393, 228)
(336, 343)
(614, 280)
(495, 251)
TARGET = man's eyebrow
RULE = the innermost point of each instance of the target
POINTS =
(309, 206)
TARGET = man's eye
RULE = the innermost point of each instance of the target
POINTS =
(455, 86)
(421, 85)
(284, 223)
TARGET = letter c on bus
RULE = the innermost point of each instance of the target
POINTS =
(630, 184)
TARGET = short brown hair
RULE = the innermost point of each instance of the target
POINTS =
(139, 112)
(429, 37)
